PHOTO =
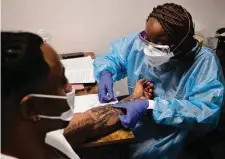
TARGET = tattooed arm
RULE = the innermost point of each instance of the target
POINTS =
(128, 99)
(92, 123)
(99, 120)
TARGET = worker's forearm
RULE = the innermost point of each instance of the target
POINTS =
(94, 122)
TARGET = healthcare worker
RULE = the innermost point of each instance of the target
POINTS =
(188, 81)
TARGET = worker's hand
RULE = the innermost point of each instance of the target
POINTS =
(133, 111)
(105, 89)
(143, 89)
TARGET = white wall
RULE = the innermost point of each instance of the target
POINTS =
(90, 25)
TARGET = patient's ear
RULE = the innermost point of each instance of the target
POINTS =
(27, 109)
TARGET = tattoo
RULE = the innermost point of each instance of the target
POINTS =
(104, 114)
(127, 99)
(92, 123)
(95, 122)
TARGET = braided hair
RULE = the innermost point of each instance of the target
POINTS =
(175, 20)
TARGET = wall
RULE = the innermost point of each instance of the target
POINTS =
(90, 25)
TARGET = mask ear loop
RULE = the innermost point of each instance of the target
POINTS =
(189, 25)
(48, 96)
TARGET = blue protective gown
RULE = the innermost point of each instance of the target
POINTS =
(187, 95)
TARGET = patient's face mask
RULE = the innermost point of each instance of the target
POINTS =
(65, 116)
(157, 54)
(56, 138)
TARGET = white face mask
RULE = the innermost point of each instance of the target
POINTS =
(65, 116)
(157, 54)
(56, 138)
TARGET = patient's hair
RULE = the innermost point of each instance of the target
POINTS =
(22, 63)
(22, 69)
(174, 19)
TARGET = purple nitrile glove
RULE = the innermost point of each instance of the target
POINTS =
(134, 110)
(105, 90)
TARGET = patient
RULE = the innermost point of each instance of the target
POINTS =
(31, 67)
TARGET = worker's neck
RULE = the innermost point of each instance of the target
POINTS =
(26, 142)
